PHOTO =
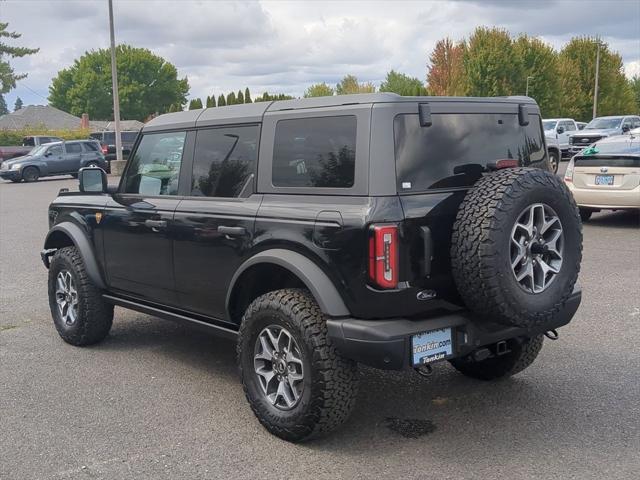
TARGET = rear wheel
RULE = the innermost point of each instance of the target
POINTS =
(297, 384)
(79, 313)
(521, 354)
(30, 174)
(92, 164)
(554, 161)
(585, 214)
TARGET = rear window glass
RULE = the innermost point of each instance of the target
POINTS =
(315, 152)
(455, 149)
(73, 148)
(90, 146)
(129, 137)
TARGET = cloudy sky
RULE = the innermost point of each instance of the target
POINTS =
(286, 46)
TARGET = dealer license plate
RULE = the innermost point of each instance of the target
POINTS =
(604, 179)
(431, 346)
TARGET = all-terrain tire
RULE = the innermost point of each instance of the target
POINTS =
(481, 245)
(94, 316)
(330, 381)
(521, 355)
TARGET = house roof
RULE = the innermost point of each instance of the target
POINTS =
(41, 116)
(125, 125)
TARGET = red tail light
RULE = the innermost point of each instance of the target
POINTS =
(105, 149)
(383, 256)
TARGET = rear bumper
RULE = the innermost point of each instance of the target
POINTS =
(606, 199)
(386, 344)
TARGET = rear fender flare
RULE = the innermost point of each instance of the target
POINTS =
(82, 243)
(318, 283)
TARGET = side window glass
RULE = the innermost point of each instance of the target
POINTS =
(315, 152)
(74, 148)
(155, 166)
(224, 160)
(55, 150)
(570, 126)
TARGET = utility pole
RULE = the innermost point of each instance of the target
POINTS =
(114, 80)
(595, 89)
(527, 89)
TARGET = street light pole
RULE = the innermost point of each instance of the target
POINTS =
(595, 89)
(114, 81)
(527, 89)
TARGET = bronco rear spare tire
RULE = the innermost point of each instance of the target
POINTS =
(516, 247)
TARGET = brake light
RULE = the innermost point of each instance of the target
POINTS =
(383, 256)
(568, 174)
(105, 149)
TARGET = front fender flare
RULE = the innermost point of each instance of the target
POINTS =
(82, 243)
(321, 287)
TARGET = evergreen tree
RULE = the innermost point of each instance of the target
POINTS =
(211, 101)
(231, 99)
(221, 101)
(240, 98)
(18, 104)
(3, 106)
(8, 77)
(195, 104)
(247, 95)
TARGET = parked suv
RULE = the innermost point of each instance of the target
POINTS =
(321, 233)
(57, 158)
(107, 141)
(602, 127)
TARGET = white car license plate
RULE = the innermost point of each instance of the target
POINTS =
(431, 346)
(604, 179)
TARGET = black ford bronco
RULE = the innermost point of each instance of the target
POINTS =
(326, 232)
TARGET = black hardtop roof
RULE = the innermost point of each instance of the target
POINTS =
(253, 112)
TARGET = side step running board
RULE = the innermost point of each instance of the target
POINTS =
(214, 329)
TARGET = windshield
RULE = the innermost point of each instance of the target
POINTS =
(549, 124)
(603, 123)
(38, 150)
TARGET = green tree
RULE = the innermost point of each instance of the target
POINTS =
(615, 95)
(492, 65)
(18, 105)
(146, 82)
(240, 97)
(231, 98)
(445, 72)
(8, 77)
(349, 84)
(634, 83)
(175, 107)
(402, 84)
(211, 101)
(3, 106)
(195, 104)
(247, 95)
(540, 62)
(319, 90)
(221, 101)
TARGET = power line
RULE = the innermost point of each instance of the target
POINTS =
(22, 84)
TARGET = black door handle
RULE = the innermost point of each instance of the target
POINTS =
(231, 231)
(156, 225)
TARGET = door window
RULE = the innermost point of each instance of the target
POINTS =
(568, 126)
(55, 151)
(315, 152)
(74, 148)
(155, 166)
(225, 159)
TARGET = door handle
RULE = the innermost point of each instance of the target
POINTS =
(232, 231)
(156, 225)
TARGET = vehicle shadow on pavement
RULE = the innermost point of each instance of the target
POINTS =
(621, 219)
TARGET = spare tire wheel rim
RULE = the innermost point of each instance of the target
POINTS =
(537, 247)
(278, 366)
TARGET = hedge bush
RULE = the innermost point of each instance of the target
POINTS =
(14, 137)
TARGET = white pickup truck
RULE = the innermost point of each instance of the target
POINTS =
(561, 129)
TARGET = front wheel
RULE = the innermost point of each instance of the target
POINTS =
(297, 384)
(30, 174)
(520, 355)
(79, 313)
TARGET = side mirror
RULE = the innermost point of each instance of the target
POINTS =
(48, 154)
(625, 129)
(92, 180)
(560, 130)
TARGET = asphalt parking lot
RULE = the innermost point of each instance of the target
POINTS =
(157, 400)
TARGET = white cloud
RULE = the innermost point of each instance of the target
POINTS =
(286, 46)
